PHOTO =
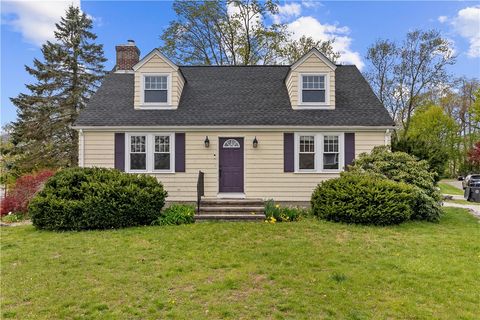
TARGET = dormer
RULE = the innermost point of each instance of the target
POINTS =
(158, 82)
(311, 82)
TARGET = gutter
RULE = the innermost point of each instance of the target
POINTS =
(234, 128)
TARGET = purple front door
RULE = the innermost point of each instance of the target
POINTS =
(231, 165)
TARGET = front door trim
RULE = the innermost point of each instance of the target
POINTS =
(238, 192)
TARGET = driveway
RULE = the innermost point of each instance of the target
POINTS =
(455, 183)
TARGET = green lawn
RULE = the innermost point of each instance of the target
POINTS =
(445, 188)
(305, 270)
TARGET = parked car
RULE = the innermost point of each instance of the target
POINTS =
(472, 192)
(460, 178)
(470, 177)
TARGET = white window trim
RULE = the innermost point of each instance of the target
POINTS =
(150, 147)
(156, 105)
(319, 152)
(314, 105)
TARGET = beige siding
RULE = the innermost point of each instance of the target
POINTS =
(311, 65)
(365, 141)
(98, 149)
(264, 176)
(158, 65)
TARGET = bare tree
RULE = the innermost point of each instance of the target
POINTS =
(233, 32)
(382, 57)
(402, 74)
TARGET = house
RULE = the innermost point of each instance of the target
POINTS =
(254, 131)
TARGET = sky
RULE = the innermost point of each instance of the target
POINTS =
(354, 25)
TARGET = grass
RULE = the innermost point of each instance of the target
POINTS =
(303, 270)
(446, 188)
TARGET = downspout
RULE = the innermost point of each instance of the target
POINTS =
(388, 137)
(81, 156)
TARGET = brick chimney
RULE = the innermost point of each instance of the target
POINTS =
(128, 55)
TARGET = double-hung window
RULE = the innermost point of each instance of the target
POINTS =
(161, 153)
(319, 152)
(314, 89)
(307, 153)
(331, 152)
(150, 152)
(155, 89)
(138, 152)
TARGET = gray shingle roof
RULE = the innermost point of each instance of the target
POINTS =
(247, 95)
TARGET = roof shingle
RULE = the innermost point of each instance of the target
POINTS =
(236, 96)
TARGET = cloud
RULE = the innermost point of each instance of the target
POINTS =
(467, 24)
(311, 27)
(287, 12)
(311, 4)
(442, 19)
(34, 19)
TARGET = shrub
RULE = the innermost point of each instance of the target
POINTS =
(363, 199)
(402, 167)
(17, 200)
(275, 212)
(96, 198)
(176, 214)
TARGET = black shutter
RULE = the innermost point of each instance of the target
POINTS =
(349, 148)
(179, 152)
(288, 152)
(120, 151)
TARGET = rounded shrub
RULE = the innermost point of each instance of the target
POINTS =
(363, 199)
(402, 167)
(96, 198)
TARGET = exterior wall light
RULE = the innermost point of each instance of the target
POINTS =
(255, 142)
(206, 142)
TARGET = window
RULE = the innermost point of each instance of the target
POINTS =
(330, 152)
(319, 152)
(162, 153)
(307, 153)
(138, 153)
(155, 89)
(313, 89)
(150, 152)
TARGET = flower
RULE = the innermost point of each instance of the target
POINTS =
(277, 206)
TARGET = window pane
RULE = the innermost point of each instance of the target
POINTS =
(137, 144)
(138, 161)
(330, 144)
(156, 82)
(162, 161)
(162, 144)
(155, 96)
(306, 161)
(330, 161)
(313, 95)
(307, 144)
(313, 82)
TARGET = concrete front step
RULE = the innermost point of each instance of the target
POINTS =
(215, 202)
(231, 209)
(229, 217)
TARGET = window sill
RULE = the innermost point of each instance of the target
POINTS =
(315, 107)
(155, 107)
(151, 172)
(318, 172)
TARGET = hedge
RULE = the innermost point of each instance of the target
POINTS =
(363, 199)
(96, 198)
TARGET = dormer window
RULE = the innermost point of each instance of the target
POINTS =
(155, 89)
(313, 89)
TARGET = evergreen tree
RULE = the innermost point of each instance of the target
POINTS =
(69, 74)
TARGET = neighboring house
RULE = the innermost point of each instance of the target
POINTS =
(255, 131)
